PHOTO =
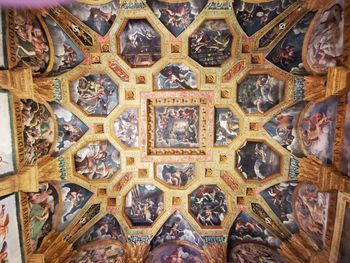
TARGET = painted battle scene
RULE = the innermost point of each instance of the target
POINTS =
(70, 128)
(177, 16)
(10, 232)
(98, 17)
(140, 44)
(311, 211)
(210, 45)
(7, 147)
(176, 77)
(176, 174)
(256, 160)
(74, 197)
(31, 40)
(143, 204)
(344, 246)
(345, 168)
(246, 229)
(38, 130)
(98, 160)
(279, 198)
(176, 228)
(252, 253)
(126, 127)
(172, 252)
(67, 54)
(177, 126)
(107, 228)
(208, 205)
(95, 93)
(325, 45)
(254, 16)
(318, 129)
(100, 252)
(287, 55)
(226, 126)
(258, 93)
(283, 128)
(43, 207)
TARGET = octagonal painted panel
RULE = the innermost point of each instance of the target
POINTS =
(208, 205)
(258, 93)
(126, 127)
(97, 160)
(177, 16)
(176, 174)
(95, 94)
(226, 126)
(176, 77)
(256, 160)
(140, 44)
(177, 127)
(211, 43)
(143, 204)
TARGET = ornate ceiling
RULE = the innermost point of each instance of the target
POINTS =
(175, 131)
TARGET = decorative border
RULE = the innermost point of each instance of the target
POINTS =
(203, 99)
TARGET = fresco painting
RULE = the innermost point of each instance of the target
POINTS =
(177, 126)
(107, 228)
(345, 163)
(208, 205)
(98, 160)
(140, 44)
(176, 174)
(318, 129)
(95, 93)
(176, 77)
(98, 17)
(177, 16)
(32, 43)
(10, 232)
(7, 147)
(325, 45)
(254, 16)
(256, 160)
(226, 126)
(210, 45)
(283, 128)
(246, 229)
(100, 252)
(126, 127)
(143, 204)
(258, 93)
(252, 253)
(70, 128)
(74, 198)
(279, 199)
(344, 246)
(176, 228)
(311, 210)
(38, 130)
(43, 206)
(171, 252)
(287, 55)
(67, 54)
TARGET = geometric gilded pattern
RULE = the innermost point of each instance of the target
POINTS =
(172, 131)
